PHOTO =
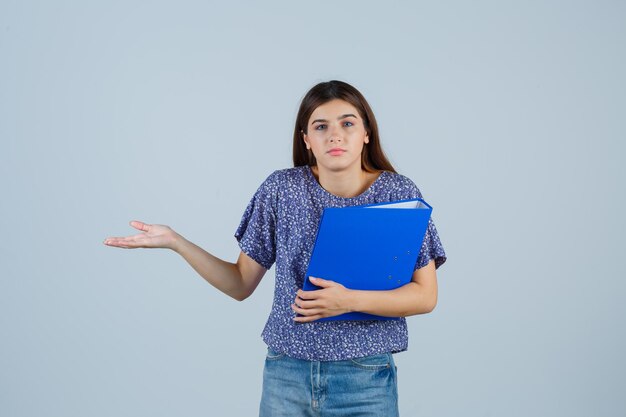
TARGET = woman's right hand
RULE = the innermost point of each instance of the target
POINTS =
(153, 236)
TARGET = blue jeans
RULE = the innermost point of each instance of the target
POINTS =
(355, 387)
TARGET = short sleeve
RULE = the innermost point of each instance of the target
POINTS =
(432, 249)
(256, 233)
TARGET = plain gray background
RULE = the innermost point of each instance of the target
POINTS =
(509, 116)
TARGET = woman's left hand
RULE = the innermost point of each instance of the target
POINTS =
(331, 300)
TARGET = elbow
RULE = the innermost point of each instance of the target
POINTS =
(430, 301)
(241, 296)
(430, 307)
(423, 303)
(425, 307)
(431, 304)
(242, 293)
(422, 309)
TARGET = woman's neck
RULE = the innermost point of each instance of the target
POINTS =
(345, 183)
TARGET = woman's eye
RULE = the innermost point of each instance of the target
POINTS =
(320, 127)
(349, 124)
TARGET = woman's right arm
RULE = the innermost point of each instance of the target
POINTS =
(238, 280)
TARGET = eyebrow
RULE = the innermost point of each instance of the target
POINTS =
(343, 116)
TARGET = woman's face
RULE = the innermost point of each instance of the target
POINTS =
(336, 135)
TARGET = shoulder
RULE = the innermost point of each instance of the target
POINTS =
(282, 179)
(401, 187)
(287, 177)
(290, 174)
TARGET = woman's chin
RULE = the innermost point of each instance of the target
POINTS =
(339, 165)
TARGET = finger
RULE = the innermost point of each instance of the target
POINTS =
(140, 225)
(124, 242)
(304, 319)
(305, 311)
(324, 283)
(306, 304)
(307, 295)
(111, 241)
(117, 244)
(119, 238)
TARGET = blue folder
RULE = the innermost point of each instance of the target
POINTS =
(371, 247)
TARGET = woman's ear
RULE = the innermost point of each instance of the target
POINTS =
(367, 138)
(306, 142)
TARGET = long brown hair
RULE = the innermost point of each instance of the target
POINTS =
(372, 157)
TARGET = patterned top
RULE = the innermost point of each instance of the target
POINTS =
(280, 225)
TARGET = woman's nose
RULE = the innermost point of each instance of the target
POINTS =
(335, 136)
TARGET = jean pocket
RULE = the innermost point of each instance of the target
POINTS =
(272, 355)
(373, 362)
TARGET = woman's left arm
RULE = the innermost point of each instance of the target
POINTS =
(417, 297)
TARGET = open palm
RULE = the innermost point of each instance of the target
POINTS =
(152, 236)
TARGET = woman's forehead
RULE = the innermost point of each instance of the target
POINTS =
(333, 109)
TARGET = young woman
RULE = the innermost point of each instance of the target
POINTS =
(313, 368)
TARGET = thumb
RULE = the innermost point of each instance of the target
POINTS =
(140, 225)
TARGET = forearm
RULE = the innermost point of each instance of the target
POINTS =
(225, 276)
(417, 297)
(408, 300)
